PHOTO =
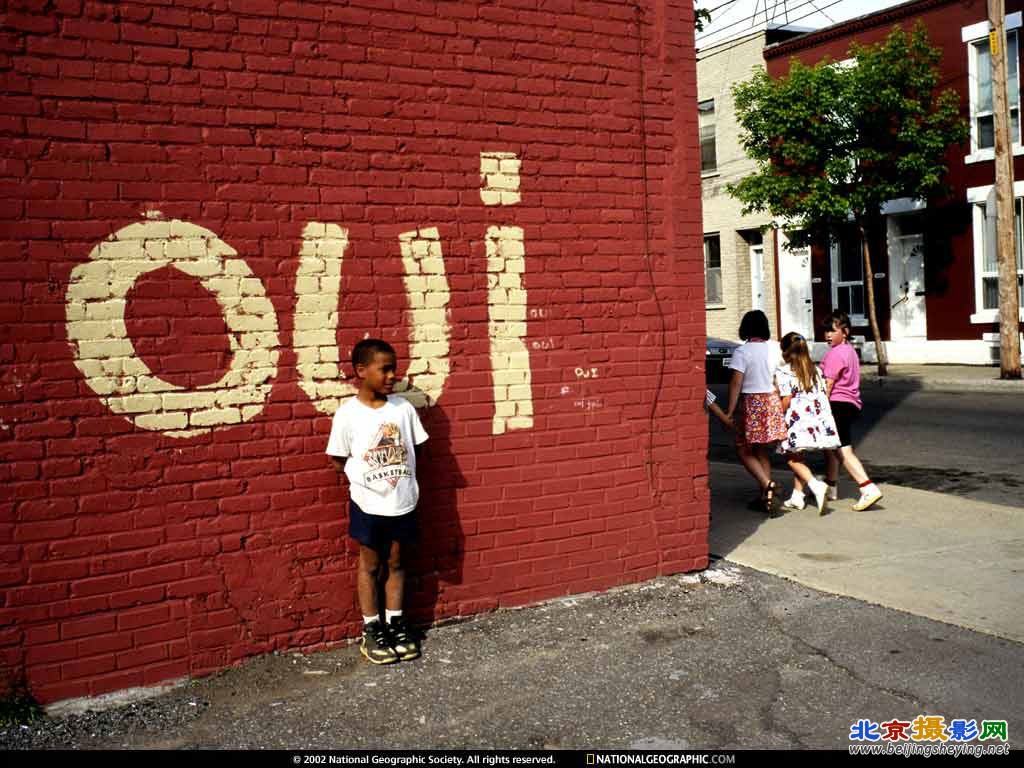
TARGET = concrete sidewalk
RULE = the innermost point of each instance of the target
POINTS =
(940, 378)
(939, 556)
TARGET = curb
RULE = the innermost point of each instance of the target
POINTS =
(917, 384)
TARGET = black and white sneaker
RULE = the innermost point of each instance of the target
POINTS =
(377, 645)
(404, 639)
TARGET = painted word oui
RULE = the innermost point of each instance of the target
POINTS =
(104, 353)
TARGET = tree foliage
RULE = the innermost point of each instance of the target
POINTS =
(839, 139)
(701, 16)
(835, 139)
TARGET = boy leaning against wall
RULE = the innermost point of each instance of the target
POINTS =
(374, 440)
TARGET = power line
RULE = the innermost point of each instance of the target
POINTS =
(742, 20)
(794, 21)
(823, 13)
(719, 7)
(754, 15)
(787, 11)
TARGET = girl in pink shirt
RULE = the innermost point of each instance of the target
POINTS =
(842, 380)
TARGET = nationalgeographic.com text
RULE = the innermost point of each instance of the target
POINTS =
(660, 758)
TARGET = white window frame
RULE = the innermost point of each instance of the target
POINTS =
(707, 299)
(714, 137)
(833, 253)
(983, 229)
(971, 35)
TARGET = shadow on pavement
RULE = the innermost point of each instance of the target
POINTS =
(740, 496)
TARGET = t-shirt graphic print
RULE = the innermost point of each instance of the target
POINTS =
(386, 459)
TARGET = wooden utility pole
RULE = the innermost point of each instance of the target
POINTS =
(1006, 254)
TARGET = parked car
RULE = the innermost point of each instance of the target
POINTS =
(717, 356)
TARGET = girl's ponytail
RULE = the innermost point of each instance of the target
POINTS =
(796, 353)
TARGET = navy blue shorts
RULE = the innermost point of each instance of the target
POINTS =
(377, 531)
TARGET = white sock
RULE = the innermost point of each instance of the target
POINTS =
(389, 615)
(869, 490)
(370, 619)
(817, 486)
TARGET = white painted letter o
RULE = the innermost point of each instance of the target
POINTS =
(96, 302)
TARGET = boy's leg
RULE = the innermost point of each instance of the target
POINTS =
(376, 645)
(394, 591)
(366, 583)
(394, 586)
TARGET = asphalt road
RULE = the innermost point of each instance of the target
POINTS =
(967, 444)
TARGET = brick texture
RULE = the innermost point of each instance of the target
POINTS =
(206, 205)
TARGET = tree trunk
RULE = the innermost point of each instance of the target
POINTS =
(869, 283)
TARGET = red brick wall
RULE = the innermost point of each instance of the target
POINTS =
(151, 530)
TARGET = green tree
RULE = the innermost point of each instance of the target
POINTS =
(836, 140)
(701, 16)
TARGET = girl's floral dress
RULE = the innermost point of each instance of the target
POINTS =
(809, 422)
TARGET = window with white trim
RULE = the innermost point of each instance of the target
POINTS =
(713, 269)
(706, 119)
(979, 78)
(982, 120)
(848, 276)
(985, 262)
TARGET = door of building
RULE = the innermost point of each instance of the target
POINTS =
(906, 287)
(757, 277)
(796, 305)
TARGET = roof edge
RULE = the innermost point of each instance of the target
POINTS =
(843, 28)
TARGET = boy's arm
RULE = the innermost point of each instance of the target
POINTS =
(339, 446)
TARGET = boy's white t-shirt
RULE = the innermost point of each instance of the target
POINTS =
(379, 445)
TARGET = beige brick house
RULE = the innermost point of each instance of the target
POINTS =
(739, 251)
